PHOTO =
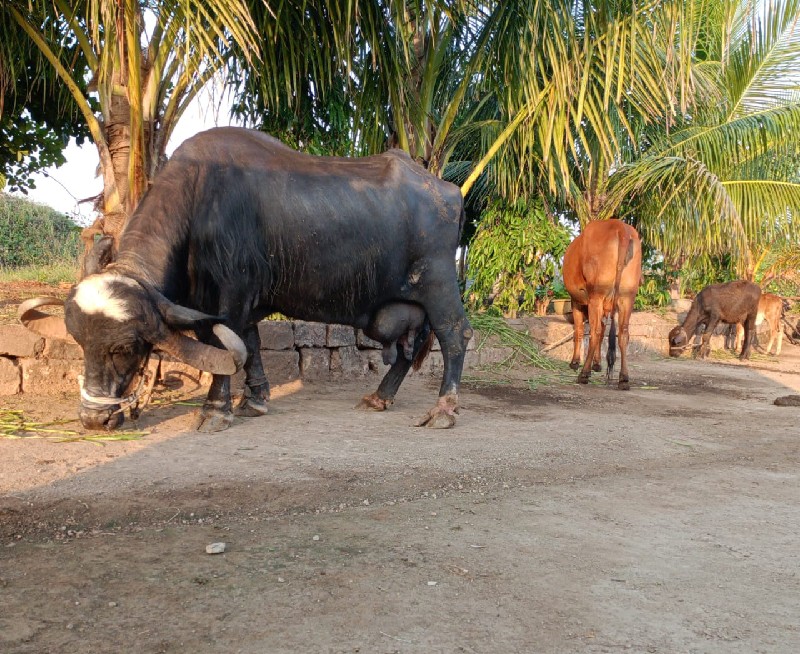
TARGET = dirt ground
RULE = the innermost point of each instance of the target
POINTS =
(560, 519)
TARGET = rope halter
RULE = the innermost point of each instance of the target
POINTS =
(138, 399)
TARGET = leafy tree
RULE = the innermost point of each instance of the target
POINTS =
(145, 61)
(515, 257)
(37, 114)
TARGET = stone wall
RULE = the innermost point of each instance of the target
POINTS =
(293, 350)
(290, 350)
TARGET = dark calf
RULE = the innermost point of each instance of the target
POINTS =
(731, 303)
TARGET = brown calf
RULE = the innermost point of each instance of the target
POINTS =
(602, 272)
(731, 303)
(770, 308)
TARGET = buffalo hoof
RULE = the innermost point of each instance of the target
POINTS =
(373, 403)
(443, 415)
(574, 364)
(253, 404)
(250, 407)
(213, 420)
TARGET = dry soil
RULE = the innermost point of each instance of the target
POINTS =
(560, 519)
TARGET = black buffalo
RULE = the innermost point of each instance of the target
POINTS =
(238, 226)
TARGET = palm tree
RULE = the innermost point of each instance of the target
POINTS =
(682, 116)
(726, 178)
(146, 62)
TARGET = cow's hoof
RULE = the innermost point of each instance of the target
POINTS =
(443, 415)
(210, 422)
(624, 385)
(596, 367)
(373, 403)
(574, 364)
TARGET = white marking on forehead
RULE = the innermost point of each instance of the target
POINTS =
(94, 295)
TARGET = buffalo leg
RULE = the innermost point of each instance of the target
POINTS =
(255, 399)
(216, 414)
(453, 334)
(595, 338)
(578, 316)
(384, 396)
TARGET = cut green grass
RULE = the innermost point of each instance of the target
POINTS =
(14, 425)
(524, 348)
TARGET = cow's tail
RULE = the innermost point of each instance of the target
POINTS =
(426, 337)
(611, 355)
(624, 256)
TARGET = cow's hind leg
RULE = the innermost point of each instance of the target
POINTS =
(578, 317)
(625, 306)
(596, 367)
(255, 399)
(595, 337)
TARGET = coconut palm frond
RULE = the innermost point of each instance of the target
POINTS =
(762, 70)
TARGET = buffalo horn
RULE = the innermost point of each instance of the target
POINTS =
(207, 357)
(177, 316)
(43, 323)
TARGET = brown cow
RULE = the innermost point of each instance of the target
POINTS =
(602, 272)
(770, 308)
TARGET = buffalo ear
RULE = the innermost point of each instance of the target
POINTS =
(41, 322)
(101, 254)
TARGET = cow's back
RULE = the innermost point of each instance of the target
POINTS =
(591, 260)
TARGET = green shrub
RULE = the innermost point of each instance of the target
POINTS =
(34, 234)
(516, 253)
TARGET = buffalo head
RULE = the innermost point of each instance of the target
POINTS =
(118, 321)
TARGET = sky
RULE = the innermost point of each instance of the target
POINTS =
(62, 187)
